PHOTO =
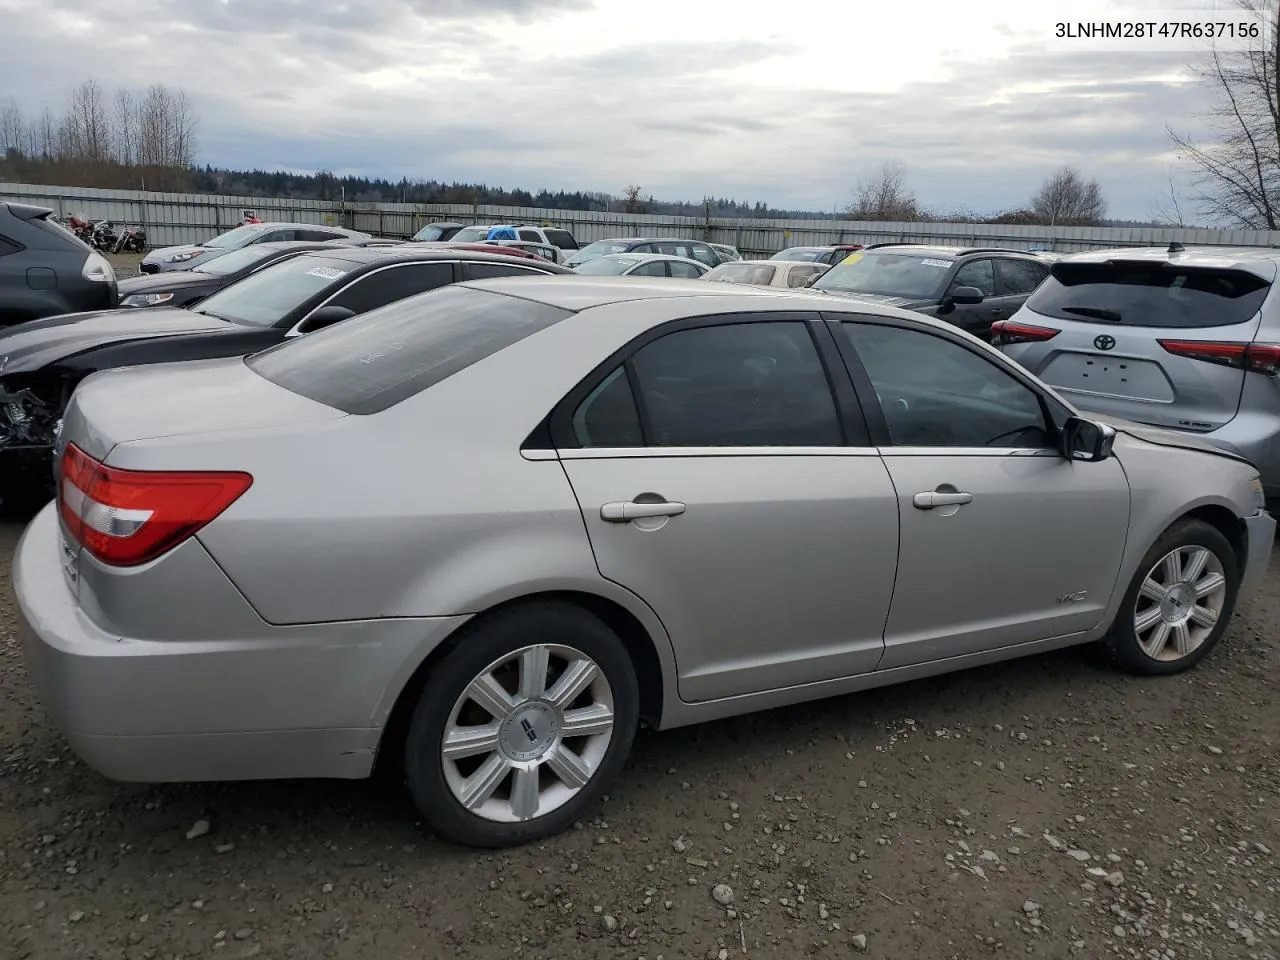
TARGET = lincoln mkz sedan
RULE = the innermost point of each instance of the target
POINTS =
(491, 529)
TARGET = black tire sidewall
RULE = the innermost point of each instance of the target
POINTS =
(481, 644)
(1123, 643)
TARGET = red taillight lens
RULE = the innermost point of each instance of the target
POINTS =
(1007, 331)
(1255, 357)
(128, 517)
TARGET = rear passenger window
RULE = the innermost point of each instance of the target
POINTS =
(483, 271)
(654, 268)
(1018, 277)
(394, 283)
(705, 255)
(737, 385)
(686, 270)
(530, 235)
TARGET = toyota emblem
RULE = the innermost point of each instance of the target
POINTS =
(1104, 341)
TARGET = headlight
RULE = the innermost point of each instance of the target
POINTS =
(184, 257)
(146, 299)
(1259, 496)
(97, 267)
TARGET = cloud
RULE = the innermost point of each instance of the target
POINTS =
(595, 94)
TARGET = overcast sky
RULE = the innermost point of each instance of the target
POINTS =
(787, 104)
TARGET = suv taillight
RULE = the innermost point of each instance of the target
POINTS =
(1007, 331)
(128, 517)
(1255, 357)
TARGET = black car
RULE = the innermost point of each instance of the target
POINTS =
(45, 269)
(969, 287)
(185, 288)
(42, 361)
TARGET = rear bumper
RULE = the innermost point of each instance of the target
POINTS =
(1261, 532)
(289, 702)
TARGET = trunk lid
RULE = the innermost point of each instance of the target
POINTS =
(1110, 319)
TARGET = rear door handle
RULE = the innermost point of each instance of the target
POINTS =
(934, 498)
(626, 512)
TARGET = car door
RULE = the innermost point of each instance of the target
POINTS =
(653, 268)
(687, 271)
(975, 318)
(1016, 278)
(1003, 540)
(722, 482)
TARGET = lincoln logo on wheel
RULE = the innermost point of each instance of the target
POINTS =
(1104, 341)
(529, 731)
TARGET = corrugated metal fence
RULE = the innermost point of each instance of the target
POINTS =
(172, 218)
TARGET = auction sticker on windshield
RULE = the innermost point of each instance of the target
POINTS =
(852, 258)
(935, 263)
(328, 273)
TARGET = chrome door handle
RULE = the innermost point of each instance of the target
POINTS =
(625, 512)
(935, 498)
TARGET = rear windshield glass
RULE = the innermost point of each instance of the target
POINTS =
(739, 272)
(371, 362)
(800, 253)
(1149, 295)
(600, 248)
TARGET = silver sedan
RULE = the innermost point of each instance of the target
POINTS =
(491, 529)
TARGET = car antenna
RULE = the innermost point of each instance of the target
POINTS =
(1176, 247)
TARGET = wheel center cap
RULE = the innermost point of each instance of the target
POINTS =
(529, 731)
(1177, 604)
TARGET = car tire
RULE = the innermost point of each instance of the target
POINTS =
(1179, 603)
(487, 759)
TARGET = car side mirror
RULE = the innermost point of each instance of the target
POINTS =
(327, 316)
(1087, 440)
(965, 295)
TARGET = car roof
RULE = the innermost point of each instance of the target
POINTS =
(364, 255)
(1260, 261)
(645, 240)
(645, 257)
(808, 248)
(295, 245)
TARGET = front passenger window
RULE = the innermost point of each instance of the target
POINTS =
(936, 393)
(976, 273)
(385, 286)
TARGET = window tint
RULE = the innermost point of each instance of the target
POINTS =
(531, 235)
(686, 270)
(7, 247)
(675, 250)
(562, 239)
(373, 362)
(275, 236)
(643, 248)
(320, 235)
(1149, 294)
(608, 417)
(704, 254)
(390, 284)
(483, 271)
(936, 393)
(976, 273)
(654, 268)
(737, 385)
(1017, 277)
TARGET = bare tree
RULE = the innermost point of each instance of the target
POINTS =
(884, 195)
(86, 135)
(46, 134)
(14, 133)
(1169, 210)
(166, 136)
(631, 201)
(1066, 198)
(125, 127)
(1238, 168)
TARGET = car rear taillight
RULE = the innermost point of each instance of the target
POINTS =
(1004, 332)
(128, 517)
(1254, 357)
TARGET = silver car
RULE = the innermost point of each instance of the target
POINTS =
(642, 265)
(491, 529)
(1184, 339)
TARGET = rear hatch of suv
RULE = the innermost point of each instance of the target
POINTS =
(1150, 340)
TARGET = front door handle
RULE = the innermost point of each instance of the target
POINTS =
(626, 512)
(939, 498)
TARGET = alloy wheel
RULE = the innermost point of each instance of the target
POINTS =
(1179, 603)
(528, 733)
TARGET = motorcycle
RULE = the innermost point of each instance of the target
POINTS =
(131, 240)
(81, 228)
(104, 237)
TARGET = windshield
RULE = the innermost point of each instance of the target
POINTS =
(236, 238)
(237, 260)
(607, 266)
(760, 274)
(912, 277)
(1138, 294)
(800, 253)
(471, 234)
(265, 298)
(601, 248)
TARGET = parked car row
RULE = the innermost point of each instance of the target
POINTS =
(480, 516)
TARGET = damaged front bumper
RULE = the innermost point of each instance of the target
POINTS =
(30, 418)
